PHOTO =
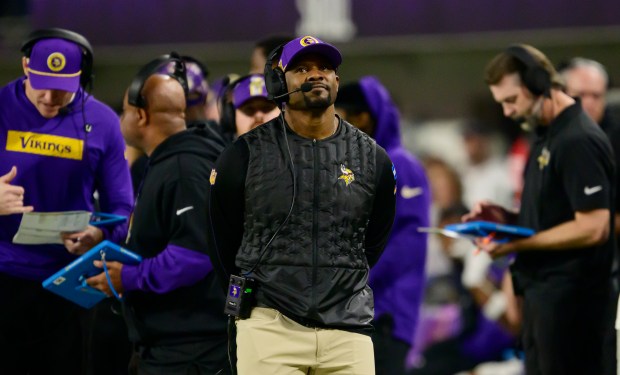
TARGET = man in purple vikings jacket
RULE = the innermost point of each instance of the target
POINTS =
(397, 280)
(58, 145)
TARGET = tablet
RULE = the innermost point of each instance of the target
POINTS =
(487, 228)
(100, 219)
(70, 281)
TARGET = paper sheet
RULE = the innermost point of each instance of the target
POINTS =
(46, 227)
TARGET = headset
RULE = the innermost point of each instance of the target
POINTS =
(275, 80)
(201, 65)
(227, 109)
(202, 97)
(86, 78)
(134, 93)
(535, 77)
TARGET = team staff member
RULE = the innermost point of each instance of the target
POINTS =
(306, 225)
(588, 80)
(397, 280)
(59, 145)
(245, 106)
(562, 271)
(173, 300)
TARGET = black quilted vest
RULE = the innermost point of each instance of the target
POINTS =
(315, 270)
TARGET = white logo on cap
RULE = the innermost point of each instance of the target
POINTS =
(56, 61)
(256, 85)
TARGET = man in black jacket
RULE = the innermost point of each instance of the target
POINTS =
(303, 205)
(173, 300)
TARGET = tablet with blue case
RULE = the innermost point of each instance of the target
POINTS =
(100, 219)
(486, 228)
(70, 281)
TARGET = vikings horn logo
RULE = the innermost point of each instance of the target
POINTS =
(543, 158)
(347, 175)
(56, 61)
(213, 176)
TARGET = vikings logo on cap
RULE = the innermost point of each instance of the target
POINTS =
(257, 85)
(56, 61)
(249, 88)
(308, 40)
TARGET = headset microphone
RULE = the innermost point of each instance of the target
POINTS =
(305, 87)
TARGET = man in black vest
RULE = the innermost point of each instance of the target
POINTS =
(303, 206)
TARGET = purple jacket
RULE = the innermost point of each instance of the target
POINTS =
(60, 165)
(397, 280)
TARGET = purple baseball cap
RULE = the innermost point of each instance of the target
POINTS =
(249, 88)
(309, 44)
(197, 84)
(55, 64)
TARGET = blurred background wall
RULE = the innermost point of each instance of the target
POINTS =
(429, 53)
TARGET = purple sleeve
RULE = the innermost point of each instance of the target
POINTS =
(398, 278)
(114, 181)
(171, 269)
(405, 252)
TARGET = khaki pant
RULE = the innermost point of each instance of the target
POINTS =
(269, 343)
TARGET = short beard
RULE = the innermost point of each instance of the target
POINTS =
(318, 103)
(530, 121)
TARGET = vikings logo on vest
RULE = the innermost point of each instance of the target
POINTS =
(56, 62)
(44, 144)
(347, 175)
(213, 176)
(308, 40)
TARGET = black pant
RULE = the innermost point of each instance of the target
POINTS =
(445, 358)
(40, 332)
(390, 353)
(609, 347)
(209, 357)
(108, 349)
(564, 329)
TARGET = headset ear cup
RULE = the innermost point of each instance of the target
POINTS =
(283, 89)
(535, 77)
(227, 117)
(538, 80)
(275, 80)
